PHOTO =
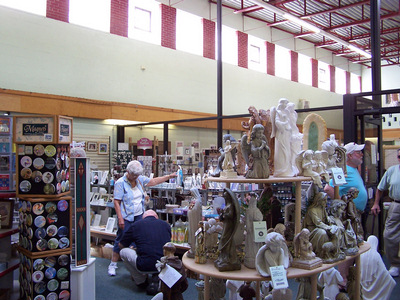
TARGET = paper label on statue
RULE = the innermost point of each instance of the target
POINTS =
(338, 177)
(169, 276)
(260, 231)
(278, 276)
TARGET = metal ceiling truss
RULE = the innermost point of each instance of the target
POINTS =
(341, 26)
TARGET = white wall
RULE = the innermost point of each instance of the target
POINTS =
(390, 78)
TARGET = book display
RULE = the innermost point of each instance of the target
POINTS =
(45, 212)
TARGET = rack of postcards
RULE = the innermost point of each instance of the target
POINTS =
(7, 157)
(45, 213)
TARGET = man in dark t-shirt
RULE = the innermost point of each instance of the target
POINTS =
(149, 236)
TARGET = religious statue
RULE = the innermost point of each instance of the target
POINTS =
(221, 158)
(320, 161)
(212, 228)
(336, 154)
(353, 214)
(230, 216)
(274, 253)
(253, 214)
(346, 236)
(200, 251)
(283, 120)
(304, 257)
(330, 279)
(323, 237)
(256, 153)
(305, 164)
(228, 163)
(254, 119)
(194, 217)
(169, 258)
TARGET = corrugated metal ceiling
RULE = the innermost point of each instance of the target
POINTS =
(347, 21)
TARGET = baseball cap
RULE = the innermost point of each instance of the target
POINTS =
(351, 147)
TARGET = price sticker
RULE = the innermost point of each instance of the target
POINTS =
(278, 276)
(338, 177)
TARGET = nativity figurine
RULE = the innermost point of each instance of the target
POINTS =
(230, 216)
(274, 253)
(336, 154)
(353, 213)
(305, 164)
(200, 250)
(304, 257)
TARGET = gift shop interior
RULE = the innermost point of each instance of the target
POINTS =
(267, 135)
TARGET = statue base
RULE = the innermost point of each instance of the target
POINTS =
(229, 174)
(223, 267)
(307, 264)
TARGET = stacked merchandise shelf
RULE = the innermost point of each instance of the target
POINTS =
(45, 212)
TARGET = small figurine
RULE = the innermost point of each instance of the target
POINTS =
(228, 163)
(221, 158)
(304, 257)
(305, 164)
(253, 214)
(169, 258)
(353, 214)
(200, 251)
(194, 217)
(330, 279)
(273, 253)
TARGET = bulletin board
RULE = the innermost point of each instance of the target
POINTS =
(390, 155)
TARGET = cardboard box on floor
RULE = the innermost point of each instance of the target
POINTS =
(100, 251)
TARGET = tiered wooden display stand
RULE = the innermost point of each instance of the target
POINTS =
(43, 186)
(246, 274)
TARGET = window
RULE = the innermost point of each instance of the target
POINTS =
(324, 77)
(145, 21)
(37, 7)
(229, 45)
(282, 62)
(355, 84)
(305, 69)
(94, 14)
(340, 81)
(189, 33)
(257, 54)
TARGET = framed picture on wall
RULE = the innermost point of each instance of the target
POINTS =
(64, 129)
(103, 148)
(196, 145)
(91, 147)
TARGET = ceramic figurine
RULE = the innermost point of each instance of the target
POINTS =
(346, 235)
(330, 279)
(228, 163)
(217, 288)
(256, 153)
(221, 158)
(353, 214)
(233, 287)
(230, 216)
(376, 282)
(323, 237)
(320, 161)
(283, 118)
(194, 217)
(304, 257)
(200, 251)
(253, 214)
(169, 258)
(304, 289)
(336, 154)
(273, 253)
(305, 164)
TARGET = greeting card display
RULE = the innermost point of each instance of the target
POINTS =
(44, 225)
(45, 277)
(43, 129)
(43, 170)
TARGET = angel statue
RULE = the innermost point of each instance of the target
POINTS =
(256, 153)
(274, 253)
(320, 161)
(305, 164)
(228, 164)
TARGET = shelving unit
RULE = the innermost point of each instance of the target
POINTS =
(6, 275)
(245, 274)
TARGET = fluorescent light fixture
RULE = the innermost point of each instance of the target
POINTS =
(358, 50)
(121, 122)
(309, 26)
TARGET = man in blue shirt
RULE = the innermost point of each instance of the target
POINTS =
(149, 235)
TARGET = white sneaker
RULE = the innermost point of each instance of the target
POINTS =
(394, 271)
(111, 270)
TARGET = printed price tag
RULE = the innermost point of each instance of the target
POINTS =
(260, 231)
(278, 276)
(338, 176)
